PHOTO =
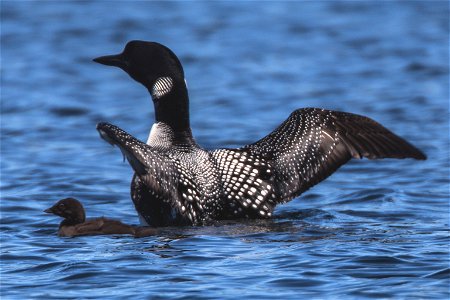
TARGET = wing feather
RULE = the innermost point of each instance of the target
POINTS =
(313, 143)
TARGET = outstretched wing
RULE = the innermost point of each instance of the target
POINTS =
(313, 143)
(164, 181)
(158, 173)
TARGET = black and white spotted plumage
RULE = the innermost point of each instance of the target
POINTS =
(176, 182)
(246, 182)
(249, 182)
(313, 143)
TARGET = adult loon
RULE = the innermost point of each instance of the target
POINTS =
(75, 223)
(177, 182)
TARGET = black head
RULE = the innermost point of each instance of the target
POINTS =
(145, 62)
(70, 209)
(160, 71)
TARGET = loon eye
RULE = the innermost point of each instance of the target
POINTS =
(61, 205)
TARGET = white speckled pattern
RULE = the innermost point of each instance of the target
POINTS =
(249, 182)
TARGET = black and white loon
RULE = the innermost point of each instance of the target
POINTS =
(178, 182)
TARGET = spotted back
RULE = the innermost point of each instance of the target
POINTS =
(246, 182)
(198, 185)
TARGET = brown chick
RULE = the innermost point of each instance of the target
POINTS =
(75, 223)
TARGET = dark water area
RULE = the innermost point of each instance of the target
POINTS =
(374, 229)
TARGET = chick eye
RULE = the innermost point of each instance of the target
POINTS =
(61, 205)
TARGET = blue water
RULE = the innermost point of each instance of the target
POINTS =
(374, 229)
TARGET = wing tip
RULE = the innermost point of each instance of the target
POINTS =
(419, 155)
(399, 154)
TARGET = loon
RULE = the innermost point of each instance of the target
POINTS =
(177, 182)
(75, 224)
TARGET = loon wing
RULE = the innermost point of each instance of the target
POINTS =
(150, 165)
(161, 177)
(313, 143)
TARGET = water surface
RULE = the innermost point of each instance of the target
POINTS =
(375, 229)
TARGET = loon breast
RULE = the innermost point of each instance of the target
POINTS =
(160, 135)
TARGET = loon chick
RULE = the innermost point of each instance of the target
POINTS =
(178, 182)
(75, 224)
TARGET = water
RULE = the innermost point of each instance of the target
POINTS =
(375, 229)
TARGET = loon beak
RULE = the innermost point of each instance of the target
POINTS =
(49, 210)
(112, 60)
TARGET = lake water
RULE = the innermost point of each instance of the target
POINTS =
(374, 229)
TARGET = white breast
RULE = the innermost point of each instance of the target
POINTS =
(152, 134)
(160, 135)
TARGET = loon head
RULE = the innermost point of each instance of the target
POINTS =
(149, 63)
(70, 209)
(160, 71)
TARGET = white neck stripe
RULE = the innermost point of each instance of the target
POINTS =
(162, 86)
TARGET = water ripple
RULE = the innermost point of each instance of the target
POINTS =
(374, 229)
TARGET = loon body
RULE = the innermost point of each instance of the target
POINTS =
(176, 182)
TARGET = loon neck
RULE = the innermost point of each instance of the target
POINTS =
(172, 110)
(172, 105)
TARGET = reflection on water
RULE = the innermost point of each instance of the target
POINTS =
(375, 229)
